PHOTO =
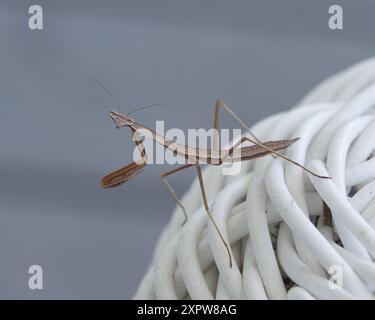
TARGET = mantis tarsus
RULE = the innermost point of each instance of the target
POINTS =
(195, 156)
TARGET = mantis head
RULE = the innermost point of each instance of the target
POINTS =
(121, 120)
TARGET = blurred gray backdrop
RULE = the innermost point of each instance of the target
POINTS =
(56, 140)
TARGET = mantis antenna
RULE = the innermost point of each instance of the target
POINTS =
(107, 91)
(145, 107)
(117, 103)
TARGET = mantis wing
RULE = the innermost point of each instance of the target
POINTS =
(252, 152)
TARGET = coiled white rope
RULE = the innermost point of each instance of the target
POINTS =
(272, 212)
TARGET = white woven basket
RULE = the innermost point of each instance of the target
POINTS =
(271, 213)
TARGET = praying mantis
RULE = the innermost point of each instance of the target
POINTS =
(195, 156)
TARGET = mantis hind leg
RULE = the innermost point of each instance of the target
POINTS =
(220, 104)
(205, 202)
(255, 140)
(200, 177)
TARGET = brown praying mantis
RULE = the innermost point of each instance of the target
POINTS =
(195, 156)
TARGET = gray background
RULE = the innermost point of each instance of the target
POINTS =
(56, 140)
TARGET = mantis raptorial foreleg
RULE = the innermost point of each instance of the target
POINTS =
(129, 171)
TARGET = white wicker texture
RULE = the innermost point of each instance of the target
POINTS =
(272, 212)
